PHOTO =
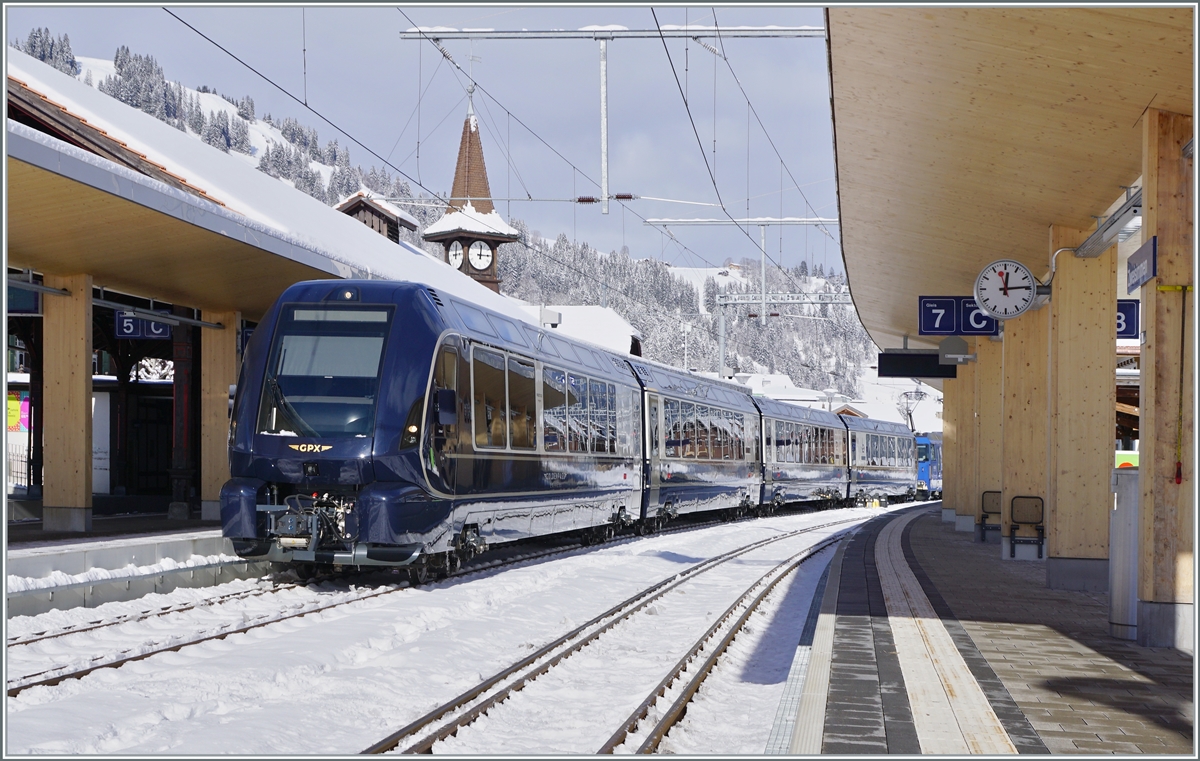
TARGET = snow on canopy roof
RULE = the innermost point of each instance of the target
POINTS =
(468, 220)
(262, 199)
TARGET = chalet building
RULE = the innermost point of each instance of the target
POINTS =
(378, 214)
(471, 230)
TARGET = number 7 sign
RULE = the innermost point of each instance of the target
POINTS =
(938, 316)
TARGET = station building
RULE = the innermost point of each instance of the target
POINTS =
(969, 135)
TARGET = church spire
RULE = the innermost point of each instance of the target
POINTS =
(470, 174)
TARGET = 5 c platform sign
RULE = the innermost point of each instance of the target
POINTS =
(954, 316)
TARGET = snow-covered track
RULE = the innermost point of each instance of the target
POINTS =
(54, 676)
(142, 616)
(421, 735)
(678, 708)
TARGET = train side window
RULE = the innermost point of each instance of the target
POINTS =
(891, 451)
(780, 434)
(674, 432)
(612, 418)
(490, 399)
(655, 426)
(827, 446)
(769, 436)
(577, 412)
(554, 409)
(687, 413)
(522, 403)
(703, 420)
(597, 431)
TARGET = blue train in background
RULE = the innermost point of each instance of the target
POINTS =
(929, 465)
(387, 423)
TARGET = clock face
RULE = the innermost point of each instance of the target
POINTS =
(454, 255)
(1005, 289)
(480, 255)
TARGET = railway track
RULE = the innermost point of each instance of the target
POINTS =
(56, 675)
(446, 720)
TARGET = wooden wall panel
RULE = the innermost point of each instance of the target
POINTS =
(989, 406)
(218, 371)
(1083, 341)
(1167, 509)
(67, 394)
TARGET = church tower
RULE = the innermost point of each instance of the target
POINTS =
(471, 230)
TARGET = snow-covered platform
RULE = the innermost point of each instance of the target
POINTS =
(70, 573)
(915, 612)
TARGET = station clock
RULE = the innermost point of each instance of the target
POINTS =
(454, 255)
(1005, 289)
(480, 255)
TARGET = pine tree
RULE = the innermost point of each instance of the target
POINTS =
(239, 135)
(213, 133)
(55, 52)
(804, 269)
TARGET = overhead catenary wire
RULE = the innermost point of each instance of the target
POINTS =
(654, 308)
(711, 175)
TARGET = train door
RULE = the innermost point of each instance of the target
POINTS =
(653, 453)
(444, 444)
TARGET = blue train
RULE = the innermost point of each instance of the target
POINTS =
(385, 423)
(929, 465)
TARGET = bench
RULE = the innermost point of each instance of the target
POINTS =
(991, 509)
(1027, 511)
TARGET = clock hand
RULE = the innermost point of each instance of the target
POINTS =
(1004, 282)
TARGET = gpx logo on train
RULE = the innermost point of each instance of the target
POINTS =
(311, 447)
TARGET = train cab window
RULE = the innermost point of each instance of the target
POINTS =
(323, 372)
(522, 403)
(490, 399)
(674, 431)
(554, 410)
(687, 413)
(577, 413)
(922, 453)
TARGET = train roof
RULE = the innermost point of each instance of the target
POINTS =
(775, 408)
(870, 425)
(931, 435)
(672, 381)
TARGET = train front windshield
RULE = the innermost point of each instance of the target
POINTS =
(922, 453)
(323, 373)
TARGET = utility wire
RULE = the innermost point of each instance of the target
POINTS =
(707, 166)
(586, 275)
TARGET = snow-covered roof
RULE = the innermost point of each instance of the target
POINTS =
(468, 220)
(596, 325)
(263, 201)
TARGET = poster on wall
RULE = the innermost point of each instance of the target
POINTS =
(18, 412)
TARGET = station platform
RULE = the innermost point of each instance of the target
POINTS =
(927, 642)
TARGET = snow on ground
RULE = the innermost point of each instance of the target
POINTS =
(337, 681)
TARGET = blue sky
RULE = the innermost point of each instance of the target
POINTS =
(364, 77)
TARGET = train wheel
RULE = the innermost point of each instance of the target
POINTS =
(418, 574)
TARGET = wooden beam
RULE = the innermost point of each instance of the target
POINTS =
(218, 371)
(1128, 409)
(989, 405)
(968, 437)
(1025, 411)
(1167, 406)
(67, 405)
(1082, 403)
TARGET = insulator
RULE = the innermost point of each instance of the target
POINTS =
(624, 196)
(587, 199)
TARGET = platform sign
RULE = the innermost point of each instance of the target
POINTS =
(1127, 318)
(954, 316)
(129, 325)
(1143, 265)
(973, 321)
(939, 316)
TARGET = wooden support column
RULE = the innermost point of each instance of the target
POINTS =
(1083, 417)
(951, 398)
(1166, 508)
(989, 407)
(67, 405)
(1025, 413)
(968, 444)
(218, 371)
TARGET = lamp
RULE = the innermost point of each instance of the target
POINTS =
(1100, 241)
